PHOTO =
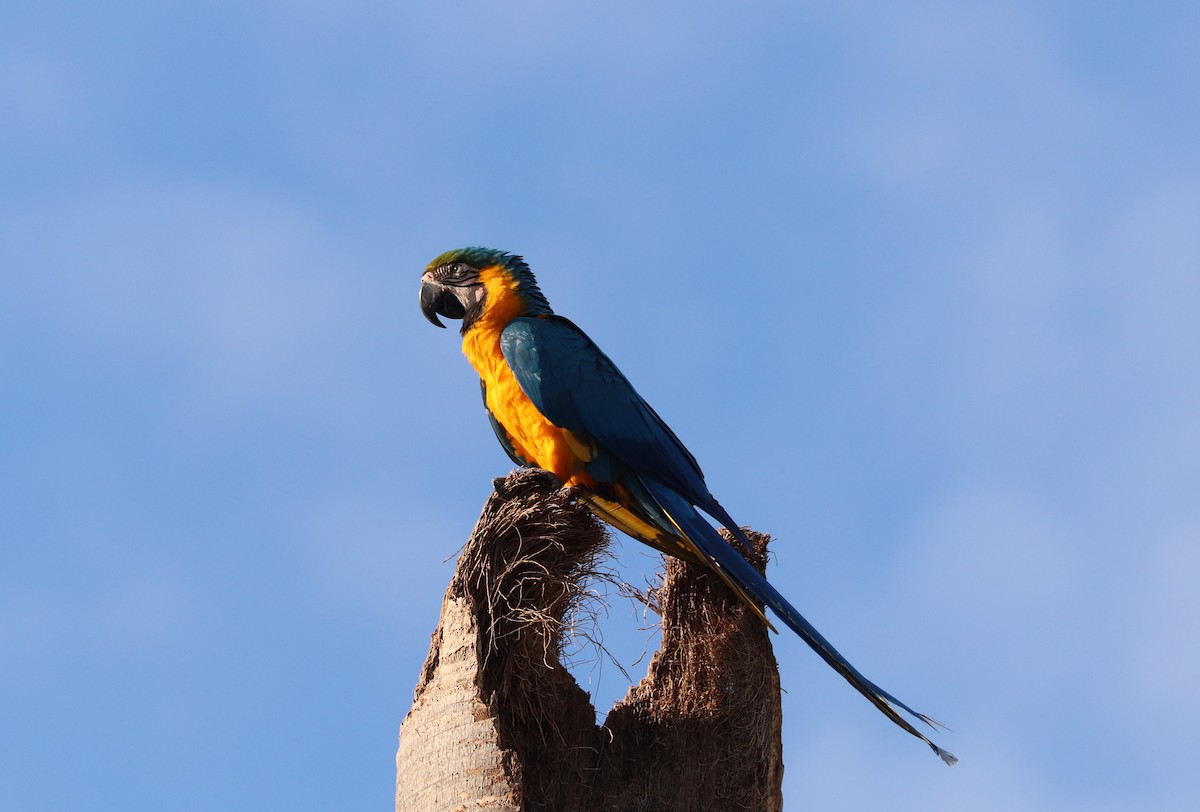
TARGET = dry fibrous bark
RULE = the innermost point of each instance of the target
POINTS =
(499, 723)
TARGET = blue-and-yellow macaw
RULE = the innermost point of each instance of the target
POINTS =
(557, 402)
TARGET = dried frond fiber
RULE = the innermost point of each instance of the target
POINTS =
(499, 723)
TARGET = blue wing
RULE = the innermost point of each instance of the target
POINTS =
(574, 384)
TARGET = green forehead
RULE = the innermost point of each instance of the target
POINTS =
(476, 257)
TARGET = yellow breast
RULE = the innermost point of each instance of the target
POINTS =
(533, 436)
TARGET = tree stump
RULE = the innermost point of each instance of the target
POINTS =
(498, 723)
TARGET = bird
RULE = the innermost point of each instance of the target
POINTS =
(555, 401)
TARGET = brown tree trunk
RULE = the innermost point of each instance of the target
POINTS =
(498, 723)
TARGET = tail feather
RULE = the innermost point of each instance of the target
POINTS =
(748, 582)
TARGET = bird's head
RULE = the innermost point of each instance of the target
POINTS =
(468, 283)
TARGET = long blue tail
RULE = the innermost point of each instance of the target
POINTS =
(721, 556)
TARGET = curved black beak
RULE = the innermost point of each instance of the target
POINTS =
(438, 299)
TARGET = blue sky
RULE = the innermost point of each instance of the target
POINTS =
(917, 284)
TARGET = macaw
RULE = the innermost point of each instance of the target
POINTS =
(556, 402)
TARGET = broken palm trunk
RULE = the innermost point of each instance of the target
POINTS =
(498, 722)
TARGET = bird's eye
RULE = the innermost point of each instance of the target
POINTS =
(455, 273)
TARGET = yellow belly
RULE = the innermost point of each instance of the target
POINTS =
(533, 437)
(531, 434)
